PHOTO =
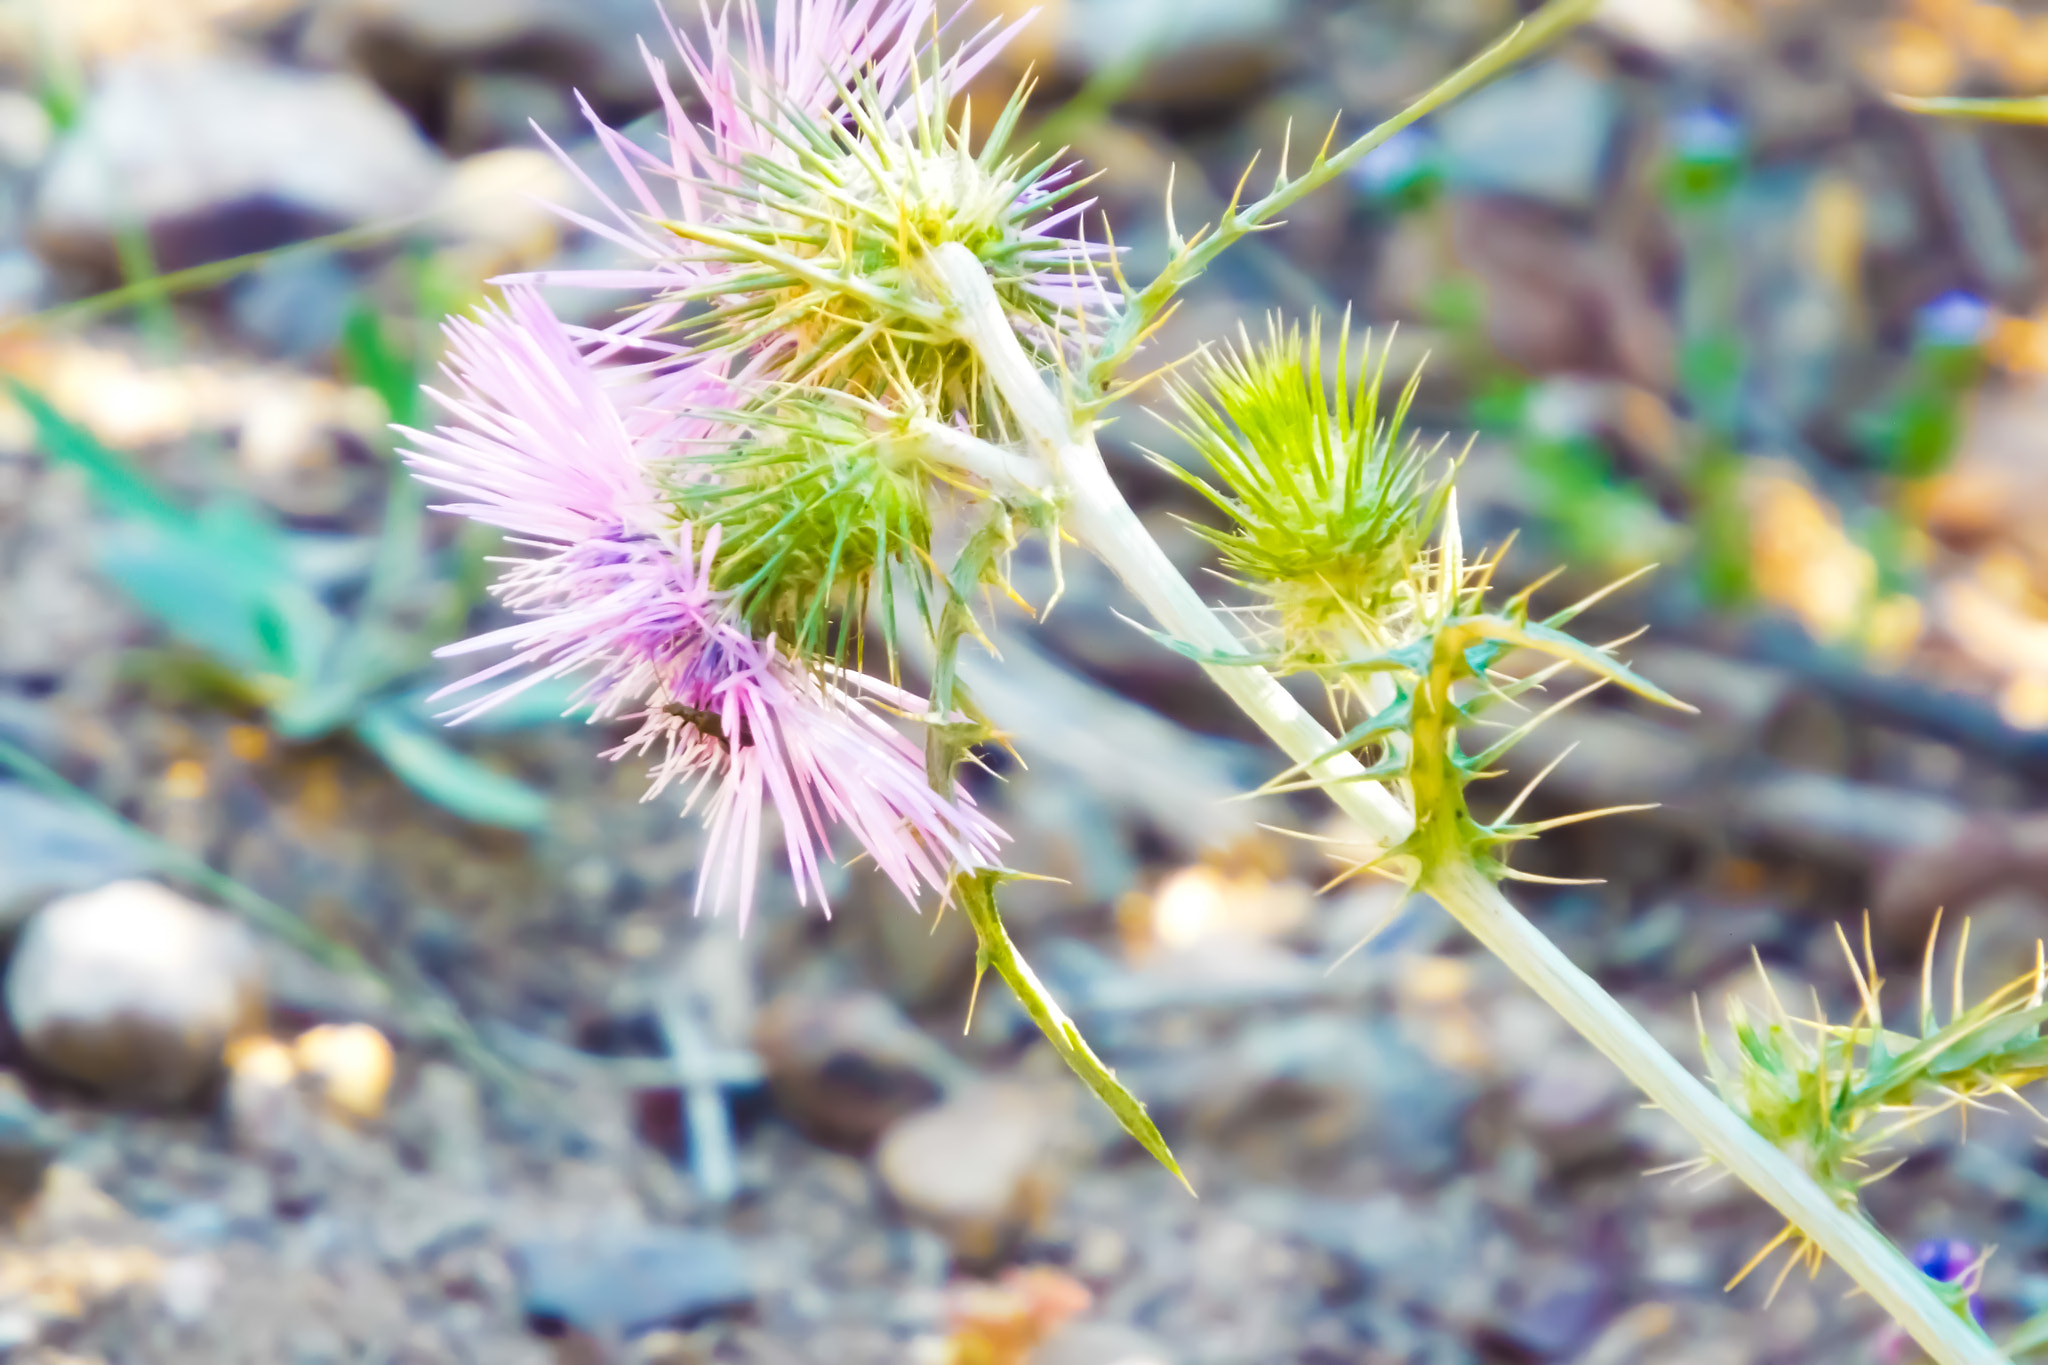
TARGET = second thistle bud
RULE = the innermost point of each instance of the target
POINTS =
(1330, 499)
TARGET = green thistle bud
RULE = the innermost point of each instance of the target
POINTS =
(1330, 504)
(1359, 556)
(823, 508)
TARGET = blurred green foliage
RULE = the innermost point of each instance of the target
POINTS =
(225, 581)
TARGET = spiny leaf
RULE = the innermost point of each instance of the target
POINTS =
(1559, 645)
(976, 894)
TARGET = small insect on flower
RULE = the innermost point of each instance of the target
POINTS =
(620, 591)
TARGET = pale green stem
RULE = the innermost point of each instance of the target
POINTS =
(1002, 469)
(1191, 256)
(1098, 516)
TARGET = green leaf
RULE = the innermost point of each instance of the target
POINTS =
(115, 480)
(220, 581)
(2032, 109)
(373, 357)
(221, 590)
(454, 781)
(976, 894)
(1559, 645)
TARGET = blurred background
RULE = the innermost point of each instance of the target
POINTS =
(332, 1036)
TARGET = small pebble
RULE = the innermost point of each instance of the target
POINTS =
(134, 991)
(353, 1063)
(974, 1167)
(627, 1281)
(29, 1142)
(1098, 1343)
(843, 1068)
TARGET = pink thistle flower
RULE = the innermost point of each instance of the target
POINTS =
(751, 89)
(620, 593)
(785, 106)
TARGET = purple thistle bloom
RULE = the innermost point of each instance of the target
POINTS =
(751, 87)
(766, 99)
(621, 593)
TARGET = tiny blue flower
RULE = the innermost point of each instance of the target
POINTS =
(1405, 162)
(1952, 1261)
(1956, 319)
(1707, 136)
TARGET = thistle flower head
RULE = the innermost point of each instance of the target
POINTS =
(791, 225)
(1330, 503)
(1361, 560)
(820, 251)
(622, 591)
(824, 505)
(782, 251)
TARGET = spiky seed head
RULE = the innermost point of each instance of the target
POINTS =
(823, 507)
(817, 249)
(1331, 503)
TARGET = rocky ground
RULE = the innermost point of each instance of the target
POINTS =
(572, 1123)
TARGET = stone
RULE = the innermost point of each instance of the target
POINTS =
(495, 208)
(421, 51)
(1098, 1343)
(1007, 1319)
(843, 1068)
(428, 1220)
(1206, 901)
(975, 1169)
(221, 155)
(1296, 1091)
(1542, 134)
(444, 1119)
(1192, 53)
(1570, 1103)
(489, 109)
(627, 1281)
(674, 1348)
(1558, 299)
(352, 1064)
(295, 305)
(1672, 29)
(266, 1110)
(48, 847)
(133, 991)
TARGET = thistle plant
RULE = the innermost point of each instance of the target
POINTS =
(1844, 1095)
(857, 323)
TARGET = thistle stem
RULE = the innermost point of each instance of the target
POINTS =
(1006, 471)
(1099, 517)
